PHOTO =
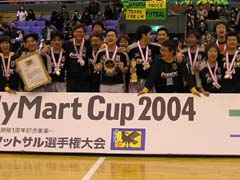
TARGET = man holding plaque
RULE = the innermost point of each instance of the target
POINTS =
(32, 67)
(112, 64)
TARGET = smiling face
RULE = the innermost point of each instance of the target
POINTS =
(221, 30)
(5, 46)
(79, 34)
(162, 36)
(31, 44)
(232, 42)
(57, 43)
(166, 53)
(111, 38)
(212, 54)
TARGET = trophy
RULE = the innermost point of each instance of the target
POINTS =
(109, 67)
(134, 77)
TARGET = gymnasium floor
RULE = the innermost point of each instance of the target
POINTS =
(85, 167)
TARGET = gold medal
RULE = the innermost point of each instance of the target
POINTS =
(216, 85)
(227, 76)
(192, 72)
(58, 73)
(146, 66)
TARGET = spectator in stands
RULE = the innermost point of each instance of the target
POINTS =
(47, 30)
(93, 8)
(16, 36)
(202, 27)
(232, 16)
(211, 70)
(190, 11)
(191, 22)
(4, 29)
(100, 18)
(86, 18)
(237, 22)
(201, 11)
(31, 15)
(76, 17)
(68, 31)
(213, 13)
(222, 12)
(108, 13)
(9, 79)
(64, 14)
(56, 21)
(21, 14)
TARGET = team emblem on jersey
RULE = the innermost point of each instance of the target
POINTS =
(174, 66)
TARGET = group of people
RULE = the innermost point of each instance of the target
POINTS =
(112, 64)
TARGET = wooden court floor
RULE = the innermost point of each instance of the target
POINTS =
(77, 167)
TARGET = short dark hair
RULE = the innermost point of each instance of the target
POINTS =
(195, 33)
(80, 26)
(55, 34)
(33, 35)
(222, 23)
(233, 34)
(171, 45)
(123, 36)
(214, 45)
(112, 30)
(163, 29)
(98, 35)
(143, 29)
(5, 38)
(97, 23)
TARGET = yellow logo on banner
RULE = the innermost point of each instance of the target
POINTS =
(156, 4)
(128, 139)
(136, 14)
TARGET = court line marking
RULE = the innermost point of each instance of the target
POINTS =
(94, 168)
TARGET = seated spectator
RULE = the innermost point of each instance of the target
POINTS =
(108, 13)
(76, 17)
(56, 21)
(213, 13)
(31, 15)
(86, 18)
(64, 13)
(202, 27)
(222, 13)
(94, 8)
(201, 12)
(47, 30)
(100, 18)
(21, 14)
